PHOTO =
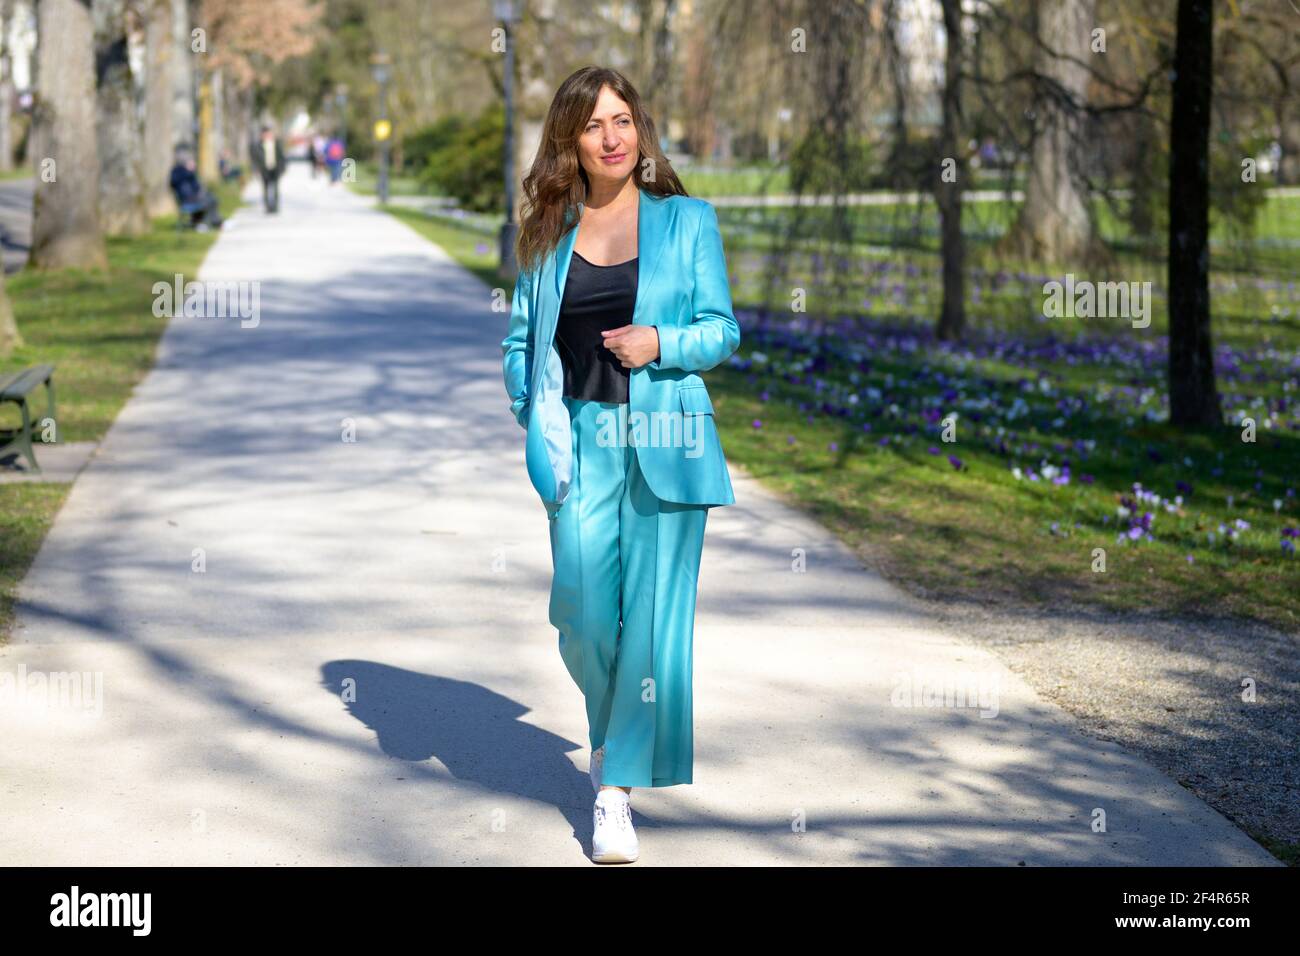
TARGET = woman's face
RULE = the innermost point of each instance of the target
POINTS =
(607, 145)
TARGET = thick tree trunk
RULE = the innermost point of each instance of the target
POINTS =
(160, 55)
(183, 89)
(950, 181)
(122, 208)
(65, 210)
(1055, 224)
(1193, 397)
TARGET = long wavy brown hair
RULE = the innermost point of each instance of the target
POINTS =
(556, 182)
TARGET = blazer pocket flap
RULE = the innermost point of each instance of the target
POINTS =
(695, 400)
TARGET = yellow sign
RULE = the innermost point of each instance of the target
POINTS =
(383, 130)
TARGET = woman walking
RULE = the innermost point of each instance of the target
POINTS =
(622, 298)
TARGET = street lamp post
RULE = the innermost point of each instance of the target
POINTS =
(383, 130)
(504, 11)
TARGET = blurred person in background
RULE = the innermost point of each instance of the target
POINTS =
(318, 144)
(194, 201)
(268, 160)
(334, 153)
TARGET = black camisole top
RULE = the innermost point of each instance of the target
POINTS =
(595, 298)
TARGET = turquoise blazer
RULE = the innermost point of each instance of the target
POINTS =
(683, 290)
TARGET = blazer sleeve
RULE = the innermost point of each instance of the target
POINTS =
(517, 349)
(713, 334)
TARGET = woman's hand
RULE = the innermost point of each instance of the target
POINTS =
(635, 345)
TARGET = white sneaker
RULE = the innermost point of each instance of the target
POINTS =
(597, 761)
(613, 840)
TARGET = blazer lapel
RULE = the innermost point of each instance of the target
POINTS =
(563, 256)
(559, 265)
(651, 219)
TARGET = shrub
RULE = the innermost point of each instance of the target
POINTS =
(467, 163)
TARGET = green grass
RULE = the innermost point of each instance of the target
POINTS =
(99, 331)
(742, 181)
(398, 184)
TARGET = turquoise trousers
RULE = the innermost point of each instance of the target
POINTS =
(623, 599)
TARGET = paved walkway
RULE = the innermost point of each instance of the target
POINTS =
(413, 565)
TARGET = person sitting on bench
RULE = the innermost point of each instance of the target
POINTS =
(195, 201)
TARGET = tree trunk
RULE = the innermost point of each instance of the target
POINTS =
(1193, 397)
(183, 90)
(655, 21)
(235, 129)
(9, 337)
(65, 210)
(1144, 183)
(899, 165)
(209, 87)
(160, 55)
(217, 128)
(1288, 124)
(952, 318)
(122, 208)
(1055, 224)
(245, 132)
(6, 89)
(229, 120)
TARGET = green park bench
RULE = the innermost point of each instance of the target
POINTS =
(16, 387)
